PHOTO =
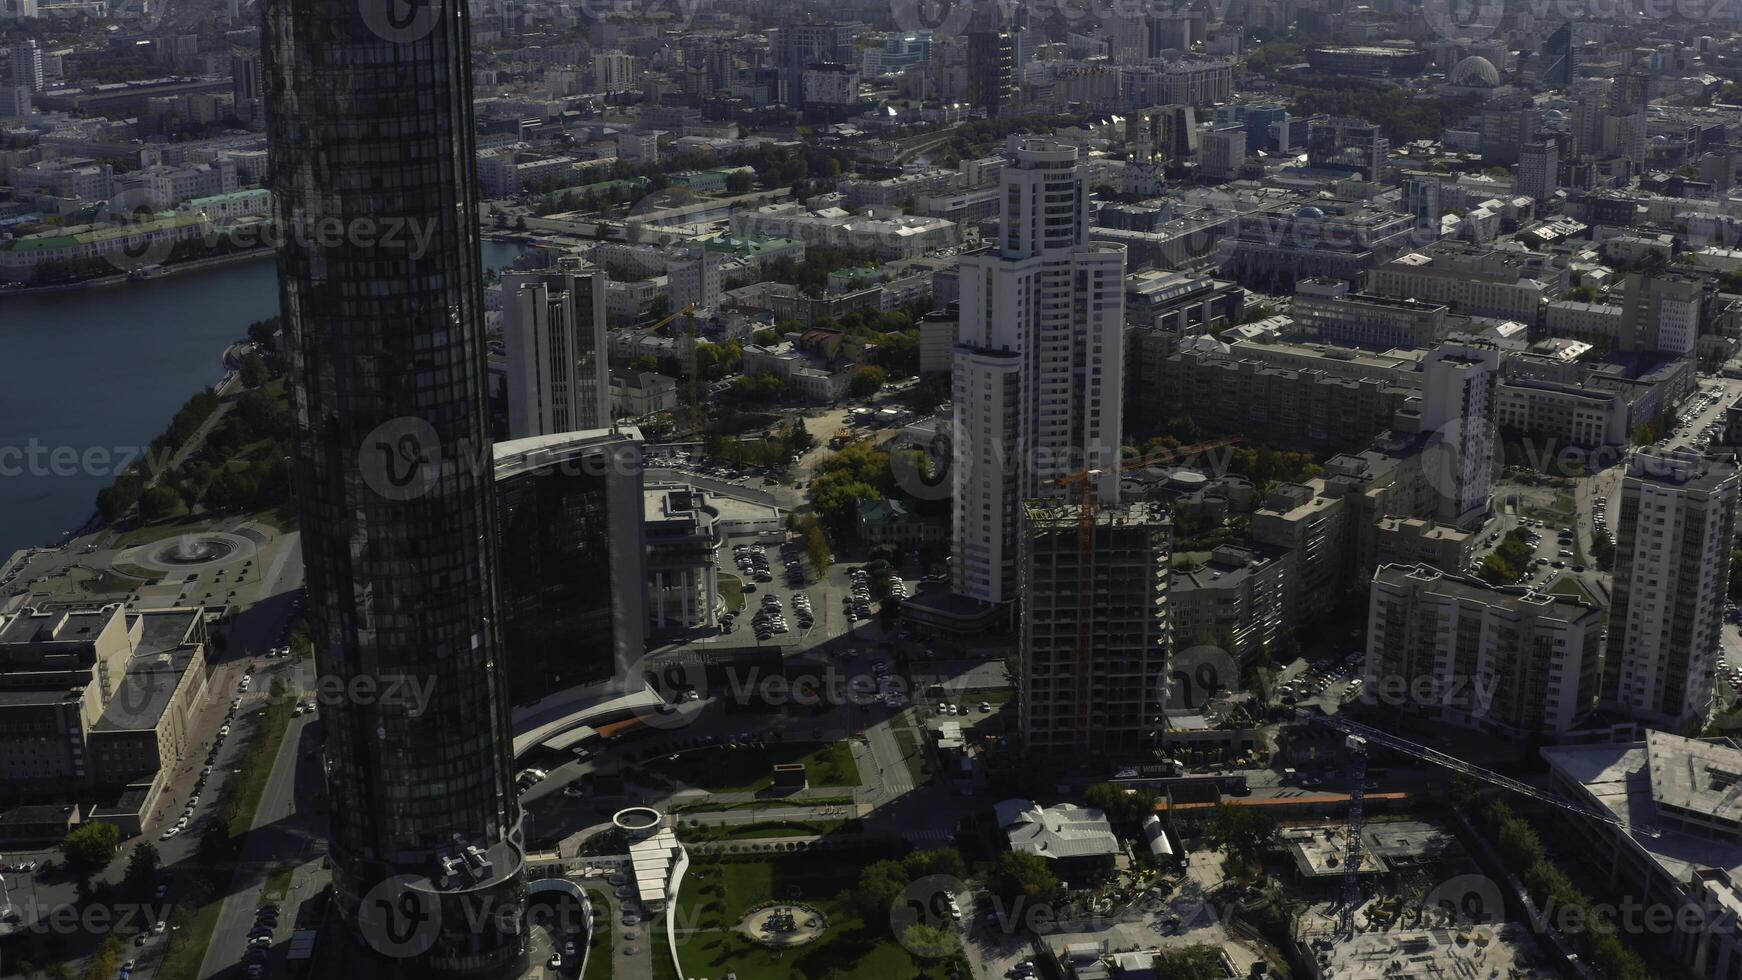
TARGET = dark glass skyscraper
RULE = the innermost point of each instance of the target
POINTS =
(370, 126)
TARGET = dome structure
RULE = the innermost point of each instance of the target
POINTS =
(1476, 72)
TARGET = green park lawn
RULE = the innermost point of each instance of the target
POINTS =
(716, 895)
(728, 770)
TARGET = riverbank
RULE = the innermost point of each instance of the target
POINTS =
(518, 239)
(192, 265)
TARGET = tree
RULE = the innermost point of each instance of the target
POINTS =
(816, 543)
(880, 886)
(142, 867)
(645, 362)
(739, 182)
(1200, 962)
(262, 331)
(1027, 878)
(946, 861)
(159, 502)
(91, 846)
(866, 381)
(115, 500)
(1242, 834)
(254, 371)
(856, 473)
(764, 386)
(1118, 802)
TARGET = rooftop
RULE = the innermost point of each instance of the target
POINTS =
(1062, 831)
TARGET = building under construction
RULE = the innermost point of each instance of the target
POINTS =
(1094, 626)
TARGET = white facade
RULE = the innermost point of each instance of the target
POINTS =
(553, 326)
(1039, 364)
(27, 65)
(693, 279)
(1221, 151)
(1504, 661)
(1538, 164)
(1457, 405)
(1672, 569)
(613, 71)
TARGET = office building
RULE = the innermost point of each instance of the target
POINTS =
(1673, 527)
(245, 84)
(693, 278)
(385, 357)
(1222, 152)
(1039, 364)
(1457, 407)
(1094, 664)
(572, 558)
(795, 47)
(1508, 124)
(1507, 661)
(1349, 145)
(553, 330)
(992, 82)
(27, 65)
(1272, 248)
(1660, 313)
(1327, 311)
(1559, 59)
(1471, 281)
(94, 701)
(1538, 169)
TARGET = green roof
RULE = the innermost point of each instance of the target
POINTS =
(31, 243)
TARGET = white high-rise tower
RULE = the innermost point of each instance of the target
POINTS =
(553, 329)
(1039, 364)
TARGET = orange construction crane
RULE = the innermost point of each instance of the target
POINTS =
(695, 372)
(1086, 479)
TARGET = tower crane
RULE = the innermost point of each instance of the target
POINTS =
(1357, 738)
(1086, 480)
(694, 369)
(1384, 739)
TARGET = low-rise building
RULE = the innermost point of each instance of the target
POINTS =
(638, 393)
(1077, 842)
(893, 522)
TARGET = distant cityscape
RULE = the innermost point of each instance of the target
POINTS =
(974, 492)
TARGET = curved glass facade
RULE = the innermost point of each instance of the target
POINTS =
(370, 130)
